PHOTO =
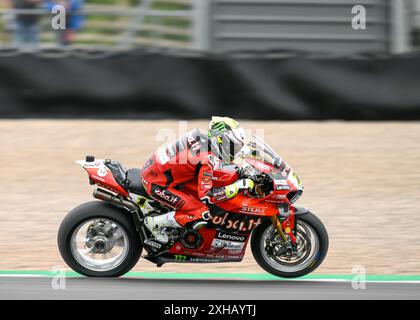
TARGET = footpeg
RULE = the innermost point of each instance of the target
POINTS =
(153, 244)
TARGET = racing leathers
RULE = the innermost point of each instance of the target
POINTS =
(188, 158)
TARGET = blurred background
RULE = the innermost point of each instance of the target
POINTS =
(215, 25)
(340, 103)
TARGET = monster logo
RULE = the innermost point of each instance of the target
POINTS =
(179, 257)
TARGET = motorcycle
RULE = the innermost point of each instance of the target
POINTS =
(106, 238)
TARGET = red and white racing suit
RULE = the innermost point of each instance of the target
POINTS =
(186, 159)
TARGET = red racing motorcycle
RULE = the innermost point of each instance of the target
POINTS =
(106, 238)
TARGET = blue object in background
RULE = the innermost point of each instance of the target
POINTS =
(74, 20)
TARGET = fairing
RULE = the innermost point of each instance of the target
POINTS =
(260, 156)
(100, 175)
(241, 214)
(227, 233)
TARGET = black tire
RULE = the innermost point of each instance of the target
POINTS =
(321, 232)
(99, 209)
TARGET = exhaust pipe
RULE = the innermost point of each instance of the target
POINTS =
(107, 196)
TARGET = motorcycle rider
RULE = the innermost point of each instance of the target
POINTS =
(193, 156)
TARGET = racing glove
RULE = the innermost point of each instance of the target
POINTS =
(230, 191)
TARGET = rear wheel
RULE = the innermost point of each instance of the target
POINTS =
(98, 239)
(310, 250)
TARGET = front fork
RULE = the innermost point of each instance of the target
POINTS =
(286, 227)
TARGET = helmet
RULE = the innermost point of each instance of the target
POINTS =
(227, 137)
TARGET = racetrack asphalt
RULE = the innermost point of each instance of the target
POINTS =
(128, 288)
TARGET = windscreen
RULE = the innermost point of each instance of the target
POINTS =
(256, 148)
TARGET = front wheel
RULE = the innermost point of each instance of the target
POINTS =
(98, 239)
(311, 248)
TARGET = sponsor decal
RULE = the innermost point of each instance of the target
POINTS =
(204, 260)
(169, 198)
(206, 179)
(89, 165)
(215, 257)
(221, 198)
(252, 210)
(206, 182)
(166, 196)
(223, 244)
(206, 186)
(206, 215)
(219, 194)
(179, 257)
(282, 187)
(232, 237)
(237, 225)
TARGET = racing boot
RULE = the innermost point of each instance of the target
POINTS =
(157, 224)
